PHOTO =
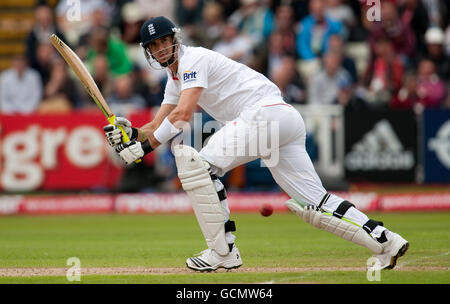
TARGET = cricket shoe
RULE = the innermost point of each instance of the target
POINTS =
(395, 247)
(209, 260)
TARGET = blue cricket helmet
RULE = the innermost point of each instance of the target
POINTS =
(155, 28)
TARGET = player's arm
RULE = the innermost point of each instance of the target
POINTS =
(147, 130)
(169, 126)
(182, 112)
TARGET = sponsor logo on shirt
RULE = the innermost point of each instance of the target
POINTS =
(189, 76)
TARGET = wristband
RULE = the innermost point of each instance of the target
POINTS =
(166, 131)
(144, 136)
(146, 147)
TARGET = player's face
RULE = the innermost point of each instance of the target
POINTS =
(162, 48)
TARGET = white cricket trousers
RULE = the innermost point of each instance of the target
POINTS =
(287, 160)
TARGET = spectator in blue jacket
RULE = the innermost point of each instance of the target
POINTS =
(315, 30)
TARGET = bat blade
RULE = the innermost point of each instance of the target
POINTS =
(82, 73)
(86, 79)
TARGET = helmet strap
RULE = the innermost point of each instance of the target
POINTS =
(171, 59)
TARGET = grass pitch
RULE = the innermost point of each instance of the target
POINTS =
(153, 249)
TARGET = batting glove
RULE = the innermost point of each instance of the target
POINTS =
(114, 135)
(131, 151)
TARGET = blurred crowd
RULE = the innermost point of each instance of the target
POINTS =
(316, 51)
(361, 54)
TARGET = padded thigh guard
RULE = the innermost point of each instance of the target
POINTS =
(196, 181)
(335, 225)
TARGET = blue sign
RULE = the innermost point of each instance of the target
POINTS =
(436, 145)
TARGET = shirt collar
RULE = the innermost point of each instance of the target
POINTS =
(181, 51)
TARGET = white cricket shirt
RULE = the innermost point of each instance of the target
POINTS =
(230, 87)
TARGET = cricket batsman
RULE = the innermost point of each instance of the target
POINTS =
(247, 103)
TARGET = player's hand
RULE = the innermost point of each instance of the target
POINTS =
(114, 135)
(130, 151)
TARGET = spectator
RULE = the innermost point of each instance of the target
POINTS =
(333, 84)
(286, 77)
(434, 38)
(234, 45)
(384, 75)
(189, 14)
(253, 19)
(280, 43)
(97, 18)
(151, 91)
(337, 45)
(45, 53)
(76, 22)
(284, 24)
(436, 12)
(102, 77)
(60, 93)
(133, 15)
(413, 12)
(229, 7)
(124, 99)
(102, 44)
(447, 41)
(392, 28)
(315, 30)
(43, 27)
(430, 88)
(20, 88)
(210, 29)
(132, 19)
(341, 12)
(275, 53)
(406, 98)
(153, 8)
(358, 32)
(426, 90)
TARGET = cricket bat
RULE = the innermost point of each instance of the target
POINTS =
(86, 79)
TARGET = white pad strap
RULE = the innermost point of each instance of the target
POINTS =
(339, 227)
(196, 181)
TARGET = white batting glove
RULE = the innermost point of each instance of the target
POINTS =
(130, 151)
(114, 135)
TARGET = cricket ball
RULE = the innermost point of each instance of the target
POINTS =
(266, 209)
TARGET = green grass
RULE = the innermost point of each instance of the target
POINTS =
(281, 240)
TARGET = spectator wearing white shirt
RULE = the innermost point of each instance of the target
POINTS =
(234, 45)
(332, 84)
(20, 88)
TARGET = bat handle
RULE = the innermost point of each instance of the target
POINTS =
(112, 120)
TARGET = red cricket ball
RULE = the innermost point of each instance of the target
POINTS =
(266, 209)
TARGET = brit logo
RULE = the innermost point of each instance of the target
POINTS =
(151, 29)
(189, 76)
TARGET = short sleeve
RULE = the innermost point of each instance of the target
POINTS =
(194, 74)
(171, 96)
